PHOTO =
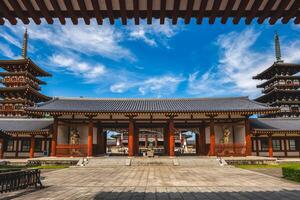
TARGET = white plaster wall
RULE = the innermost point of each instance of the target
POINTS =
(9, 154)
(264, 154)
(207, 134)
(280, 154)
(83, 133)
(293, 153)
(62, 135)
(239, 134)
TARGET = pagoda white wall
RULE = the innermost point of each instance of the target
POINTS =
(62, 137)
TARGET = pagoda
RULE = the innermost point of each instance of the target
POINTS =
(20, 85)
(281, 88)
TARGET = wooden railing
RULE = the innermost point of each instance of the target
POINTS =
(231, 149)
(71, 150)
(16, 180)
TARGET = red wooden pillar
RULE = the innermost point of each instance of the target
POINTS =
(32, 144)
(90, 138)
(54, 137)
(136, 141)
(270, 145)
(212, 149)
(248, 137)
(166, 141)
(171, 137)
(104, 141)
(131, 137)
(1, 148)
(285, 146)
(197, 143)
(155, 141)
(202, 140)
(257, 146)
(17, 147)
(146, 141)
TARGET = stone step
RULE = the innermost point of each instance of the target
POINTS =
(152, 161)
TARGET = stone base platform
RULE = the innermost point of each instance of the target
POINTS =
(145, 161)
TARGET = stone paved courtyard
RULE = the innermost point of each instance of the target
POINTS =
(159, 182)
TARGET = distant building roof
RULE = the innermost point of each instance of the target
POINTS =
(182, 105)
(273, 125)
(25, 126)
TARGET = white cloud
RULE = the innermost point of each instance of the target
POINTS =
(159, 86)
(153, 34)
(102, 40)
(237, 64)
(89, 72)
(6, 51)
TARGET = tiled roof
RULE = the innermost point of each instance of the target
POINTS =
(276, 124)
(149, 105)
(24, 125)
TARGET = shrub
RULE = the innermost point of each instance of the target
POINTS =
(291, 173)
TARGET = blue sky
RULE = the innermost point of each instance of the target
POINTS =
(151, 60)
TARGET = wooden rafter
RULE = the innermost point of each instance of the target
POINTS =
(70, 10)
(5, 12)
(83, 11)
(149, 11)
(189, 11)
(280, 10)
(266, 11)
(44, 10)
(136, 11)
(1, 21)
(175, 11)
(227, 12)
(97, 12)
(163, 4)
(123, 11)
(215, 10)
(110, 11)
(201, 12)
(254, 10)
(18, 10)
(240, 12)
(58, 11)
(293, 10)
(32, 12)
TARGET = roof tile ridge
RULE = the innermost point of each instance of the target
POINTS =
(171, 98)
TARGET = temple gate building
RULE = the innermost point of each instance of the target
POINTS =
(81, 126)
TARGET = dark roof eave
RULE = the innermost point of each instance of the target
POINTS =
(254, 111)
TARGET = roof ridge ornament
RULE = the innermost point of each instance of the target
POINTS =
(277, 48)
(24, 47)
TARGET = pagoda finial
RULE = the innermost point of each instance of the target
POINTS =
(24, 47)
(277, 48)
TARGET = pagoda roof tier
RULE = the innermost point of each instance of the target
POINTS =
(277, 77)
(14, 101)
(24, 73)
(277, 103)
(276, 93)
(275, 125)
(25, 126)
(24, 90)
(235, 105)
(138, 9)
(276, 69)
(25, 64)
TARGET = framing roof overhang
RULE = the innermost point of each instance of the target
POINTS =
(265, 126)
(20, 126)
(149, 9)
